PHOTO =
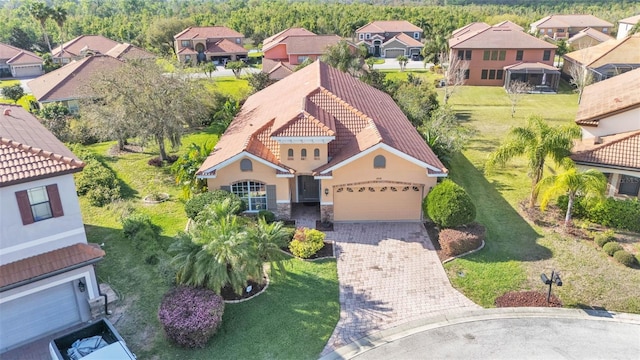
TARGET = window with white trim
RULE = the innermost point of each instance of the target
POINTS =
(316, 154)
(253, 193)
(290, 154)
(368, 36)
(303, 154)
(39, 202)
(361, 36)
(185, 43)
(416, 35)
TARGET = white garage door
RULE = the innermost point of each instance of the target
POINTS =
(23, 71)
(377, 202)
(393, 53)
(43, 312)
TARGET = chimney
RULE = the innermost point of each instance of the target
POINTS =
(6, 112)
(597, 140)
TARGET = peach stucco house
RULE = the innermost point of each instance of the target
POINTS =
(322, 136)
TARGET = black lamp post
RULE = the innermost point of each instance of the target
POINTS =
(555, 278)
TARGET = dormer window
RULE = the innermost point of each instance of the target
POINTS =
(246, 165)
(379, 162)
(303, 153)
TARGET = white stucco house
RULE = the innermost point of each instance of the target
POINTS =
(47, 277)
(625, 25)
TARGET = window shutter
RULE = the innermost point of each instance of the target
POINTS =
(225, 188)
(271, 198)
(54, 200)
(25, 208)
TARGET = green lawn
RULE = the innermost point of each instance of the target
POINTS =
(5, 83)
(292, 319)
(517, 251)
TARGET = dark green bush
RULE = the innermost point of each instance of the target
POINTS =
(625, 258)
(611, 248)
(196, 204)
(96, 181)
(102, 195)
(137, 223)
(267, 215)
(604, 237)
(306, 242)
(449, 205)
(166, 271)
(620, 214)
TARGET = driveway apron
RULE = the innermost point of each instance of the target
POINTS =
(389, 273)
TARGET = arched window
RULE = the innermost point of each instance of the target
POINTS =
(246, 165)
(290, 154)
(379, 162)
(316, 154)
(253, 193)
(303, 153)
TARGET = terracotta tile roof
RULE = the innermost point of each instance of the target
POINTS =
(128, 52)
(13, 55)
(631, 20)
(611, 96)
(510, 25)
(388, 26)
(284, 33)
(60, 259)
(592, 33)
(207, 32)
(361, 115)
(623, 51)
(187, 51)
(498, 38)
(68, 81)
(308, 44)
(281, 70)
(28, 151)
(97, 43)
(621, 151)
(405, 39)
(553, 21)
(225, 46)
(470, 28)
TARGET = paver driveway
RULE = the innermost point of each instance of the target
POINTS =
(389, 273)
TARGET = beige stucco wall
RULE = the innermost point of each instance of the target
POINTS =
(306, 166)
(619, 123)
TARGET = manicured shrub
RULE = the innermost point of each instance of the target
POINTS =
(267, 215)
(96, 181)
(191, 316)
(611, 247)
(448, 205)
(624, 257)
(619, 214)
(144, 235)
(460, 240)
(306, 242)
(196, 204)
(604, 237)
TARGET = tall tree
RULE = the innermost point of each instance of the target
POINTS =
(59, 15)
(581, 77)
(159, 34)
(41, 12)
(236, 67)
(455, 75)
(537, 141)
(13, 92)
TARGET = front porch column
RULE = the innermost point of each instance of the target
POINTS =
(326, 212)
(283, 211)
(614, 182)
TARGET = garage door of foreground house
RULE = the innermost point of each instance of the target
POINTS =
(377, 202)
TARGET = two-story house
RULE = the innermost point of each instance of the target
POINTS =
(566, 26)
(497, 55)
(47, 278)
(15, 62)
(286, 50)
(210, 43)
(390, 39)
(86, 45)
(586, 38)
(609, 116)
(322, 136)
(625, 25)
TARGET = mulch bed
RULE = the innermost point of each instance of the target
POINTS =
(324, 226)
(227, 292)
(527, 299)
(433, 233)
(325, 251)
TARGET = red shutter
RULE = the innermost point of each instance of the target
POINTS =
(54, 200)
(25, 207)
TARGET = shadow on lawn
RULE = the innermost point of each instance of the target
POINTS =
(509, 236)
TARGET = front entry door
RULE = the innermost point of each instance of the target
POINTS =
(308, 189)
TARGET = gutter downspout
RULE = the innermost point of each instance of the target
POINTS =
(106, 299)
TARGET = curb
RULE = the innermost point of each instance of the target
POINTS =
(465, 254)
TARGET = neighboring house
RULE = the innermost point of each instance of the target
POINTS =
(67, 84)
(322, 136)
(566, 26)
(286, 50)
(390, 39)
(47, 277)
(86, 45)
(15, 62)
(609, 115)
(608, 59)
(499, 54)
(212, 43)
(586, 38)
(625, 25)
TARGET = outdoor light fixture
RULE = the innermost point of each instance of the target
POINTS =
(326, 191)
(555, 278)
(81, 286)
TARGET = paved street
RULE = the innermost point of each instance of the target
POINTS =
(389, 274)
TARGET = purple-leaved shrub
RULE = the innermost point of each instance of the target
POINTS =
(191, 316)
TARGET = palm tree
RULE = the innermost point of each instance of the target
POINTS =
(589, 183)
(59, 15)
(402, 61)
(41, 12)
(537, 141)
(187, 165)
(268, 239)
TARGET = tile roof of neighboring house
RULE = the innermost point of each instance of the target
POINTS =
(207, 32)
(388, 26)
(284, 33)
(631, 20)
(33, 267)
(619, 151)
(318, 101)
(12, 54)
(225, 46)
(67, 82)
(611, 96)
(592, 33)
(28, 151)
(509, 24)
(498, 38)
(623, 51)
(309, 44)
(129, 52)
(97, 43)
(277, 69)
(553, 21)
(469, 28)
(405, 39)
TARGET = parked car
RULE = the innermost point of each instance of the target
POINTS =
(99, 340)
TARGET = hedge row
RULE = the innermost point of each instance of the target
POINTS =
(619, 214)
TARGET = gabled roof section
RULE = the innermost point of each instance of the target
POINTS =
(592, 33)
(611, 96)
(207, 32)
(621, 152)
(28, 151)
(68, 81)
(631, 20)
(388, 26)
(12, 53)
(225, 46)
(623, 51)
(498, 38)
(96, 43)
(25, 58)
(405, 39)
(470, 28)
(307, 44)
(510, 25)
(129, 52)
(576, 20)
(313, 121)
(294, 31)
